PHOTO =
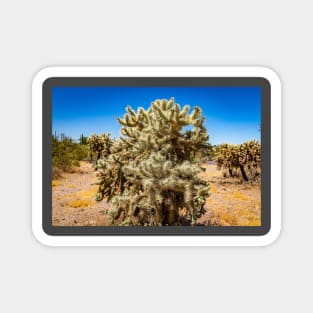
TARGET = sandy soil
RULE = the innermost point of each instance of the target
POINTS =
(73, 199)
(231, 203)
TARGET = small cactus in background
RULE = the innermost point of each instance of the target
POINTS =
(227, 157)
(99, 144)
(151, 173)
(83, 140)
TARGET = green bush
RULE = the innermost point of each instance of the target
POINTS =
(66, 153)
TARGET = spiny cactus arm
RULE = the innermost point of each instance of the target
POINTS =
(122, 122)
(131, 111)
(160, 111)
(184, 112)
(195, 115)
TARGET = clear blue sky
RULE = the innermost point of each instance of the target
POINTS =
(233, 114)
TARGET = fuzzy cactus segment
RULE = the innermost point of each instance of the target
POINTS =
(150, 174)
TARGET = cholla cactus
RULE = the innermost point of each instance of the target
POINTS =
(250, 153)
(250, 158)
(152, 171)
(245, 156)
(100, 145)
(227, 157)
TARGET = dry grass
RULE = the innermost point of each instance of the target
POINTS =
(78, 203)
(239, 195)
(239, 216)
(79, 198)
(88, 193)
(231, 203)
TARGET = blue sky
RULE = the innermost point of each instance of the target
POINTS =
(233, 114)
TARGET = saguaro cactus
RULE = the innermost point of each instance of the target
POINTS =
(83, 140)
(152, 172)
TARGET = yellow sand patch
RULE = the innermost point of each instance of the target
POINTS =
(55, 183)
(239, 195)
(254, 222)
(227, 217)
(89, 193)
(70, 186)
(239, 217)
(248, 217)
(80, 203)
(82, 198)
(213, 189)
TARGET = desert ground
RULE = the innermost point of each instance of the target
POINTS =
(231, 202)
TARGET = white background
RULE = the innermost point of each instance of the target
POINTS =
(36, 34)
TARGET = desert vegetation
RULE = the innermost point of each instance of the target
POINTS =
(99, 145)
(67, 154)
(245, 157)
(162, 171)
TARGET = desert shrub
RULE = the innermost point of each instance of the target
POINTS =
(151, 173)
(81, 152)
(66, 153)
(212, 152)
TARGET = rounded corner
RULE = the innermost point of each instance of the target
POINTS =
(42, 76)
(271, 236)
(41, 236)
(270, 76)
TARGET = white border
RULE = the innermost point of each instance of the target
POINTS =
(45, 239)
